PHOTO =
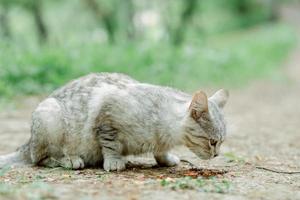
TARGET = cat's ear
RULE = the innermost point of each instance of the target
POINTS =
(220, 97)
(199, 105)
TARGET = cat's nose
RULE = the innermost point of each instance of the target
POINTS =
(216, 155)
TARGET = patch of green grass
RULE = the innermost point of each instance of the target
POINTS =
(42, 191)
(231, 157)
(212, 184)
(222, 60)
(36, 190)
(103, 177)
(4, 170)
(5, 189)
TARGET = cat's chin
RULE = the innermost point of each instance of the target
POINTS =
(202, 155)
(205, 157)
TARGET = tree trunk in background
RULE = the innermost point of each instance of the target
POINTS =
(242, 7)
(106, 17)
(129, 12)
(109, 25)
(274, 4)
(4, 23)
(37, 13)
(186, 16)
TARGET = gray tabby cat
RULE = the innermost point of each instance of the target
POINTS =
(100, 118)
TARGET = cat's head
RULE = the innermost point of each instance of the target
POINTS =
(205, 127)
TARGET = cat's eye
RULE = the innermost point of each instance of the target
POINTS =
(213, 142)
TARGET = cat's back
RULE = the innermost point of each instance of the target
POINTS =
(84, 84)
(84, 95)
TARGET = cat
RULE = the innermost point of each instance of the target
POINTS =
(102, 117)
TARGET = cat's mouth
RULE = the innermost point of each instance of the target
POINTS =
(206, 155)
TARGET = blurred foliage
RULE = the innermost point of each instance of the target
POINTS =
(185, 44)
(120, 17)
(222, 61)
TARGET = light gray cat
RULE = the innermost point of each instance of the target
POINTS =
(100, 118)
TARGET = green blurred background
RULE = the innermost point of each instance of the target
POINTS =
(186, 44)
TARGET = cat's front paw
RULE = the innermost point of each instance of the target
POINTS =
(168, 160)
(114, 164)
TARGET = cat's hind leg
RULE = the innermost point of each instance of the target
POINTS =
(47, 131)
(68, 162)
(72, 162)
(48, 137)
(166, 159)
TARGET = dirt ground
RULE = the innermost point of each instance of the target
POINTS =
(264, 131)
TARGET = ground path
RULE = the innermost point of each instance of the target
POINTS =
(264, 130)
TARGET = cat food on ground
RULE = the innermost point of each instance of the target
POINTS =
(194, 173)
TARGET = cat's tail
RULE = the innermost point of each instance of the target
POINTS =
(20, 157)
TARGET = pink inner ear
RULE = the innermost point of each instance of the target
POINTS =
(198, 105)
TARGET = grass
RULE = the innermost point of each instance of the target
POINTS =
(221, 60)
(4, 170)
(49, 184)
(231, 157)
(36, 184)
(34, 190)
(212, 184)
